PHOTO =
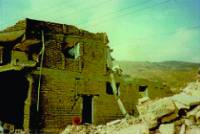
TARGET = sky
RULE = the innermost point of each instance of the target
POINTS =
(138, 30)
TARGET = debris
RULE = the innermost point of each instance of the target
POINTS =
(134, 129)
(167, 128)
(164, 113)
(186, 99)
(1, 128)
(189, 122)
(194, 111)
(198, 116)
(182, 130)
(195, 130)
(151, 112)
(180, 105)
(113, 122)
(9, 127)
(143, 100)
(192, 89)
(169, 117)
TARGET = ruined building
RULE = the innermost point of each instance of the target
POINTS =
(51, 73)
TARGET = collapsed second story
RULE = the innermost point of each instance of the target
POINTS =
(63, 47)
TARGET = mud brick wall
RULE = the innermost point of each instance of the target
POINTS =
(53, 57)
(56, 99)
(106, 107)
(58, 96)
(60, 100)
(19, 57)
(73, 65)
(94, 58)
(66, 80)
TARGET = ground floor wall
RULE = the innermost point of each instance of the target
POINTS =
(65, 95)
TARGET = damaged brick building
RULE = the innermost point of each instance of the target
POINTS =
(50, 73)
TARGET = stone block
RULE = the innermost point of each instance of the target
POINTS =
(167, 128)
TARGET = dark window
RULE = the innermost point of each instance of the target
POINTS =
(109, 88)
(142, 88)
(72, 52)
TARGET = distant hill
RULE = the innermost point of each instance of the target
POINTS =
(173, 74)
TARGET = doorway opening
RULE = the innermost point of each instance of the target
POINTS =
(14, 87)
(87, 111)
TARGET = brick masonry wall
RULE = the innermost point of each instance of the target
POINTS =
(86, 75)
(65, 79)
(58, 95)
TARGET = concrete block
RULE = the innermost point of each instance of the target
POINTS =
(167, 128)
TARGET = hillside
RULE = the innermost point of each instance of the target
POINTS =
(171, 75)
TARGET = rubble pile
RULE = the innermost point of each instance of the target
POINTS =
(178, 114)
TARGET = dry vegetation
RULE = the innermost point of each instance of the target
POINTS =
(171, 74)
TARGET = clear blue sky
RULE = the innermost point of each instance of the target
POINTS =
(138, 30)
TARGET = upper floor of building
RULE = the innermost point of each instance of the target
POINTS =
(62, 46)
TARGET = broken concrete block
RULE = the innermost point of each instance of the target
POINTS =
(194, 111)
(159, 108)
(179, 122)
(143, 100)
(193, 130)
(189, 122)
(182, 129)
(133, 129)
(113, 122)
(169, 117)
(150, 120)
(186, 99)
(153, 111)
(167, 128)
(198, 116)
(180, 105)
(193, 89)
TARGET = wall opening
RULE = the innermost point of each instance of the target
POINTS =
(109, 88)
(1, 55)
(14, 88)
(87, 111)
(72, 52)
(143, 91)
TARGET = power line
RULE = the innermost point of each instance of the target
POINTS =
(130, 6)
(83, 8)
(128, 13)
(137, 10)
(133, 5)
(105, 2)
(89, 7)
(38, 11)
(80, 9)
